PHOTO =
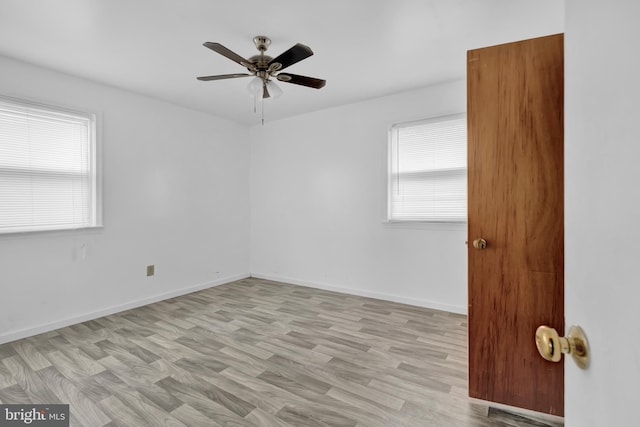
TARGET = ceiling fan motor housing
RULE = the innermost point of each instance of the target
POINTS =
(260, 61)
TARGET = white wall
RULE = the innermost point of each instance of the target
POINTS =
(318, 201)
(602, 237)
(176, 194)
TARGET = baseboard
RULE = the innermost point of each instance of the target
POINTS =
(39, 329)
(50, 326)
(363, 293)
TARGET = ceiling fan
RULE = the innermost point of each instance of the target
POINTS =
(264, 67)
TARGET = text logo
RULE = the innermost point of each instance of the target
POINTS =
(34, 415)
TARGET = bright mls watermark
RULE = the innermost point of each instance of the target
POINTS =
(34, 415)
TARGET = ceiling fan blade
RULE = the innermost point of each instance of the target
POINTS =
(265, 92)
(223, 76)
(301, 80)
(295, 54)
(217, 47)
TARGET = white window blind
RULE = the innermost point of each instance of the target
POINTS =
(47, 168)
(428, 170)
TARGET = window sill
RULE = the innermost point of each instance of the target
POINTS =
(50, 233)
(425, 225)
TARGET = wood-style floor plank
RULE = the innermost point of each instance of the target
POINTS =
(255, 353)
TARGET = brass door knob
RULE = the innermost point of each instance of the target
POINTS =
(551, 345)
(480, 243)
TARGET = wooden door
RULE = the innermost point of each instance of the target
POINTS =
(515, 171)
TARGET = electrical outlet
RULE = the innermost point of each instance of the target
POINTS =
(151, 270)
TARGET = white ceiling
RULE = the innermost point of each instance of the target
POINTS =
(363, 48)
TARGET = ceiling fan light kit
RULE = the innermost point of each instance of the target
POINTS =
(274, 89)
(265, 69)
(255, 87)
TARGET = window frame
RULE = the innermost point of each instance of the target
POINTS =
(94, 160)
(453, 224)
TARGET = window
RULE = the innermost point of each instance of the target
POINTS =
(427, 173)
(47, 168)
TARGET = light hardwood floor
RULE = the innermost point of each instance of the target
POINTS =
(254, 353)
